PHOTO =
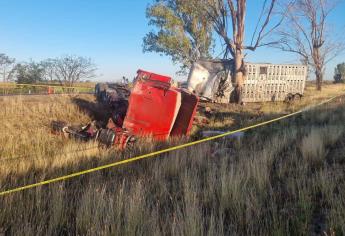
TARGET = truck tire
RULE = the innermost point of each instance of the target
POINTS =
(100, 89)
(106, 137)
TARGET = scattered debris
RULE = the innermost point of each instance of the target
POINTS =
(208, 110)
(201, 120)
(83, 133)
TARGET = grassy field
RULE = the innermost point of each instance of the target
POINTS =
(35, 89)
(77, 84)
(285, 178)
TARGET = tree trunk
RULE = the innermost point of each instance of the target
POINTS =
(238, 75)
(4, 75)
(318, 63)
(319, 79)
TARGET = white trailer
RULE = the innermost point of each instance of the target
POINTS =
(211, 79)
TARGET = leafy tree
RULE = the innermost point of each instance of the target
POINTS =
(339, 73)
(29, 73)
(184, 31)
(6, 67)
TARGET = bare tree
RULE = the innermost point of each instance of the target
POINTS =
(49, 66)
(6, 67)
(70, 69)
(233, 12)
(305, 33)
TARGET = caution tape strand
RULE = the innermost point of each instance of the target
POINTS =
(156, 153)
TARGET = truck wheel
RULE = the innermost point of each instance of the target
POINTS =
(130, 144)
(100, 90)
(106, 137)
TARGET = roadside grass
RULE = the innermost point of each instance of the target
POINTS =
(284, 178)
(77, 84)
(29, 89)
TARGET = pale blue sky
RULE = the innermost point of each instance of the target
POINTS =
(109, 31)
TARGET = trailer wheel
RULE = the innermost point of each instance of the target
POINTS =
(297, 97)
(289, 98)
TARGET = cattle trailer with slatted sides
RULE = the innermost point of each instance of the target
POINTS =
(211, 79)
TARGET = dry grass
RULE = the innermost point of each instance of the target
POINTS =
(27, 89)
(78, 84)
(286, 178)
(25, 139)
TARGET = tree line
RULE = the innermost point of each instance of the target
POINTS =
(65, 70)
(188, 30)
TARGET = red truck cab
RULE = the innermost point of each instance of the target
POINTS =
(158, 109)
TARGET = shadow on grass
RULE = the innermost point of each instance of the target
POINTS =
(95, 110)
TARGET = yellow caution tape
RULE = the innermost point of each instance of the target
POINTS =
(154, 154)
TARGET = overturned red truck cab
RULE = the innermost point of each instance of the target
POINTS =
(159, 109)
(153, 108)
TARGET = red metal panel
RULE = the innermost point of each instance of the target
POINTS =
(153, 106)
(185, 117)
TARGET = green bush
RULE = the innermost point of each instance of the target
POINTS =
(339, 73)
